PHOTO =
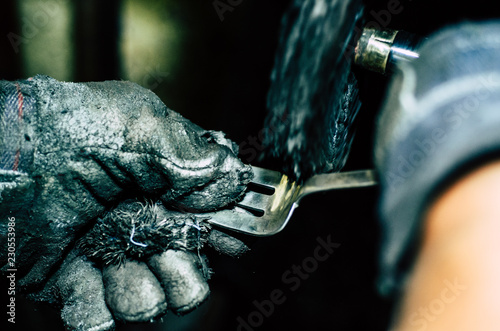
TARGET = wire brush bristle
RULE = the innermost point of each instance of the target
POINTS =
(138, 230)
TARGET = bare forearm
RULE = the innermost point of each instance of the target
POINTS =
(454, 284)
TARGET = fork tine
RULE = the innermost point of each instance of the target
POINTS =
(255, 200)
(240, 220)
(269, 179)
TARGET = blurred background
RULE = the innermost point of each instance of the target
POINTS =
(214, 69)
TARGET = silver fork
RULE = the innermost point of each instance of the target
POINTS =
(271, 199)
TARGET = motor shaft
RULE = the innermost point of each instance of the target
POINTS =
(382, 50)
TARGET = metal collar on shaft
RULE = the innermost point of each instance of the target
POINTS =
(374, 48)
(383, 50)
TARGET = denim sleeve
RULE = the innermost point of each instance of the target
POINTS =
(441, 119)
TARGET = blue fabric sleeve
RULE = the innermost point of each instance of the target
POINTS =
(441, 119)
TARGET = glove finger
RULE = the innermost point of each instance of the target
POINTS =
(225, 183)
(181, 274)
(82, 293)
(226, 244)
(132, 292)
(229, 185)
(41, 269)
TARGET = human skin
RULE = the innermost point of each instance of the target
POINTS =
(454, 284)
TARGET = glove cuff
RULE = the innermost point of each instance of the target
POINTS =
(17, 104)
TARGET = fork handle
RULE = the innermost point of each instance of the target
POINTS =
(339, 180)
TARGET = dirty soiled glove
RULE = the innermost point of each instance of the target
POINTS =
(71, 151)
(441, 119)
(138, 261)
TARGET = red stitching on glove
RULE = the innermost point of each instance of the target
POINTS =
(20, 106)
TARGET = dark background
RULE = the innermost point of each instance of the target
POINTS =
(220, 83)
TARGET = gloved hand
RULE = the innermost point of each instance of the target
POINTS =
(72, 151)
(138, 260)
(439, 120)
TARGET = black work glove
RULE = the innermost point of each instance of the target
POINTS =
(69, 152)
(440, 120)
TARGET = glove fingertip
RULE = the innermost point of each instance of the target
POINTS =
(180, 275)
(82, 293)
(73, 318)
(133, 293)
